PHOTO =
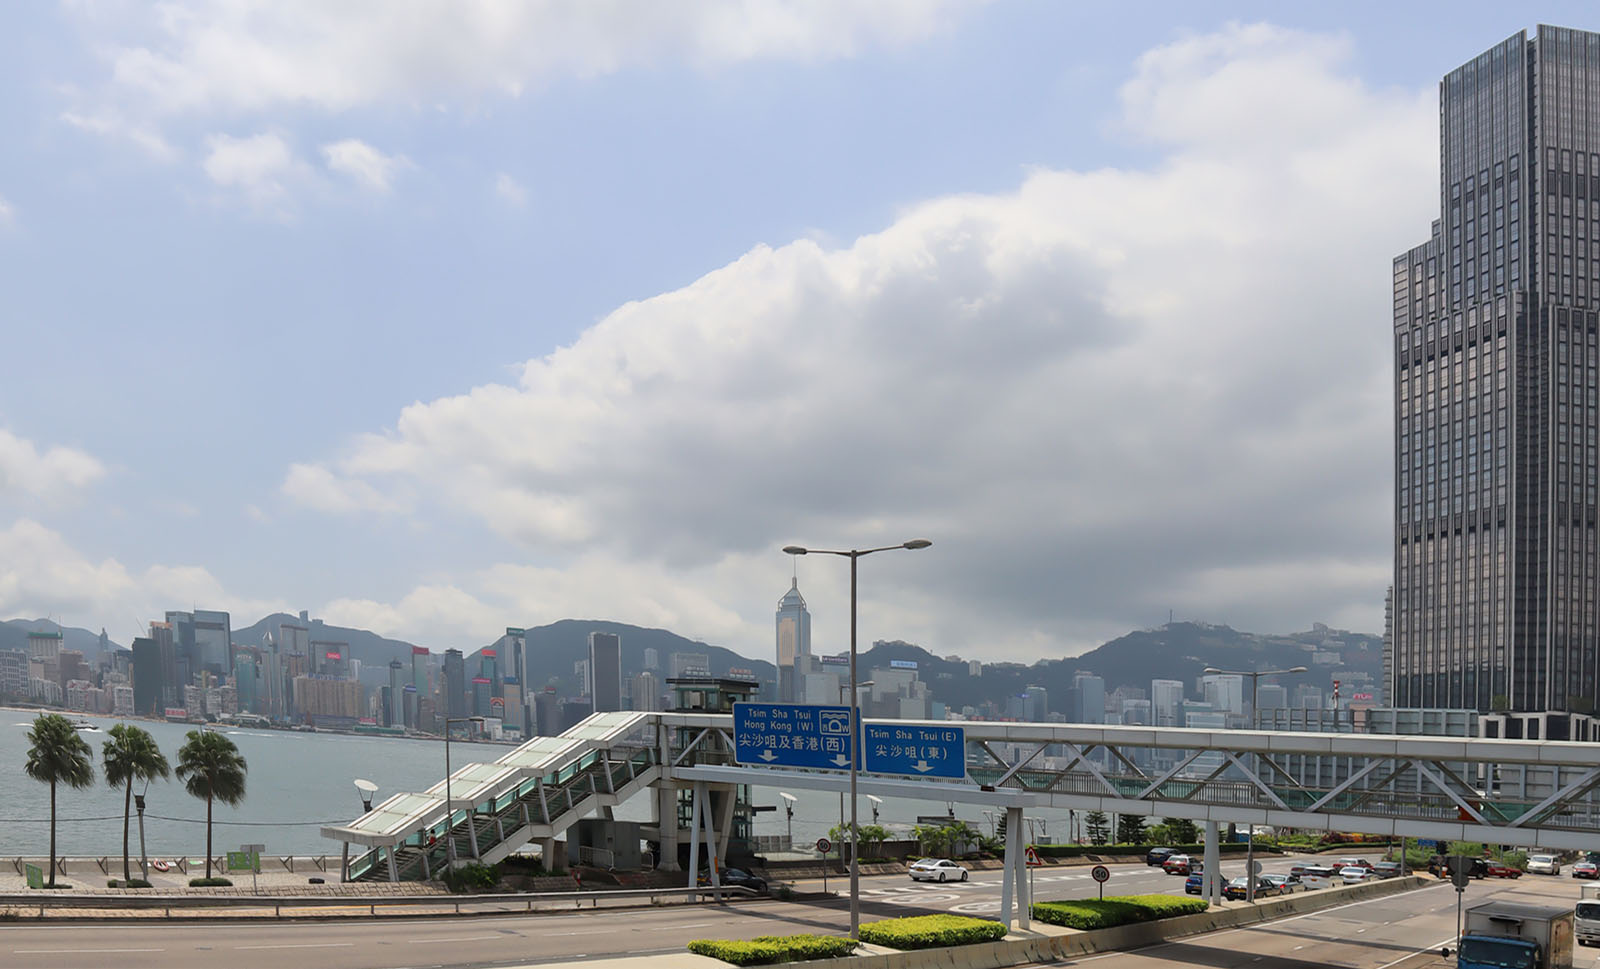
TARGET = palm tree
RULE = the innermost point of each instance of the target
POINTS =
(58, 755)
(211, 767)
(131, 754)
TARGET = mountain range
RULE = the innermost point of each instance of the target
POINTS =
(1178, 651)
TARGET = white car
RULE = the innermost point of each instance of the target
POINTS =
(937, 870)
(1355, 874)
(1544, 865)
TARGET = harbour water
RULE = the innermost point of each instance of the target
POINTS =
(298, 782)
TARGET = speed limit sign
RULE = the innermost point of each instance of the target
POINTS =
(824, 845)
(1101, 874)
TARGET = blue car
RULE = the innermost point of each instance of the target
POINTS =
(1191, 885)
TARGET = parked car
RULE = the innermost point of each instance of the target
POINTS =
(1316, 876)
(1353, 863)
(1177, 865)
(1498, 869)
(1387, 869)
(1544, 865)
(1585, 869)
(1156, 856)
(1191, 885)
(1239, 888)
(1355, 874)
(1286, 884)
(736, 877)
(937, 870)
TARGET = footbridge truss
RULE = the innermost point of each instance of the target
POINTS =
(1532, 793)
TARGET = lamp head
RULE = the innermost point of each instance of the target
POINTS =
(795, 550)
(787, 797)
(917, 543)
(1297, 669)
(1211, 669)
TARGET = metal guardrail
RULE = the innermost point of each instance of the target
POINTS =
(278, 903)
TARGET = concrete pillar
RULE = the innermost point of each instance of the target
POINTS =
(725, 822)
(666, 811)
(694, 832)
(1213, 863)
(1024, 896)
(547, 851)
(1014, 852)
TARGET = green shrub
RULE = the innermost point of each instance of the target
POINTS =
(213, 882)
(471, 877)
(931, 931)
(111, 883)
(768, 949)
(1104, 913)
(136, 883)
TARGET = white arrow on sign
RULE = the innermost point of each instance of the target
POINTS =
(841, 760)
(768, 756)
(921, 766)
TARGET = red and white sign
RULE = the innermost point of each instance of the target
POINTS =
(1033, 858)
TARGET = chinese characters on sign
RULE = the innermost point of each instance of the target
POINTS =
(791, 735)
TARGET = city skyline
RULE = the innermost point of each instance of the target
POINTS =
(571, 319)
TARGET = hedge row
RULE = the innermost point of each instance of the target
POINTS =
(931, 931)
(765, 950)
(1075, 851)
(1104, 913)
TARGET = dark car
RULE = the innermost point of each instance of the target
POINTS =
(1387, 869)
(1286, 884)
(1191, 885)
(1157, 856)
(737, 877)
(1239, 888)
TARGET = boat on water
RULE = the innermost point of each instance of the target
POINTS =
(84, 726)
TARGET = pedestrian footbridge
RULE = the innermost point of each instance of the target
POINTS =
(1530, 793)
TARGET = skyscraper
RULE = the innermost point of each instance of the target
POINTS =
(605, 671)
(455, 684)
(794, 639)
(1495, 386)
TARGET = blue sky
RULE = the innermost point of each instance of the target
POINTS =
(437, 318)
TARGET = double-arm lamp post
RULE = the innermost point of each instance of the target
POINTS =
(449, 808)
(1255, 678)
(855, 709)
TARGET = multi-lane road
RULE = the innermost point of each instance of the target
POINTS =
(1367, 935)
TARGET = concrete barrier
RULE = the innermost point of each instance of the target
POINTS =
(1054, 943)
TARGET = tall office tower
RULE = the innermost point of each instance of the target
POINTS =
(794, 639)
(1036, 704)
(1091, 702)
(685, 664)
(420, 658)
(148, 686)
(294, 638)
(171, 674)
(605, 671)
(247, 680)
(1224, 691)
(652, 658)
(396, 714)
(547, 713)
(1495, 391)
(516, 650)
(455, 684)
(646, 690)
(489, 669)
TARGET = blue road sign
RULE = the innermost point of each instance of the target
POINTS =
(791, 735)
(903, 748)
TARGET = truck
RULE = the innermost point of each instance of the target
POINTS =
(1509, 935)
(1586, 917)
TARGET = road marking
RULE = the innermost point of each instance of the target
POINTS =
(458, 938)
(300, 945)
(25, 952)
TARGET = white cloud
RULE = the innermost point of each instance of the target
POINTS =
(1103, 394)
(229, 55)
(317, 487)
(42, 574)
(113, 126)
(363, 163)
(26, 470)
(510, 190)
(260, 168)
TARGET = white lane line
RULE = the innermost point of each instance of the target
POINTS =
(457, 938)
(300, 945)
(30, 952)
(1430, 948)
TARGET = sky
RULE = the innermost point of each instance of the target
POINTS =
(437, 318)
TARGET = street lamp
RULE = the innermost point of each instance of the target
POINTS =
(449, 807)
(788, 807)
(1255, 680)
(876, 800)
(365, 789)
(144, 863)
(854, 555)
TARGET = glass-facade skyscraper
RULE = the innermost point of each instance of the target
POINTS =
(794, 643)
(1495, 391)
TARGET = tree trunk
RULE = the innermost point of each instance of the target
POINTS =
(127, 805)
(52, 834)
(208, 833)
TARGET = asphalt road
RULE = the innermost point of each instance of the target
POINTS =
(1368, 930)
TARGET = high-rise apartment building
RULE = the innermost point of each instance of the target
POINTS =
(1495, 384)
(605, 671)
(794, 641)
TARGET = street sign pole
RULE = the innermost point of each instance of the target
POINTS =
(1101, 874)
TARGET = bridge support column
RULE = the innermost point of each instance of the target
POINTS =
(666, 807)
(344, 864)
(1014, 860)
(725, 820)
(547, 853)
(1212, 889)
